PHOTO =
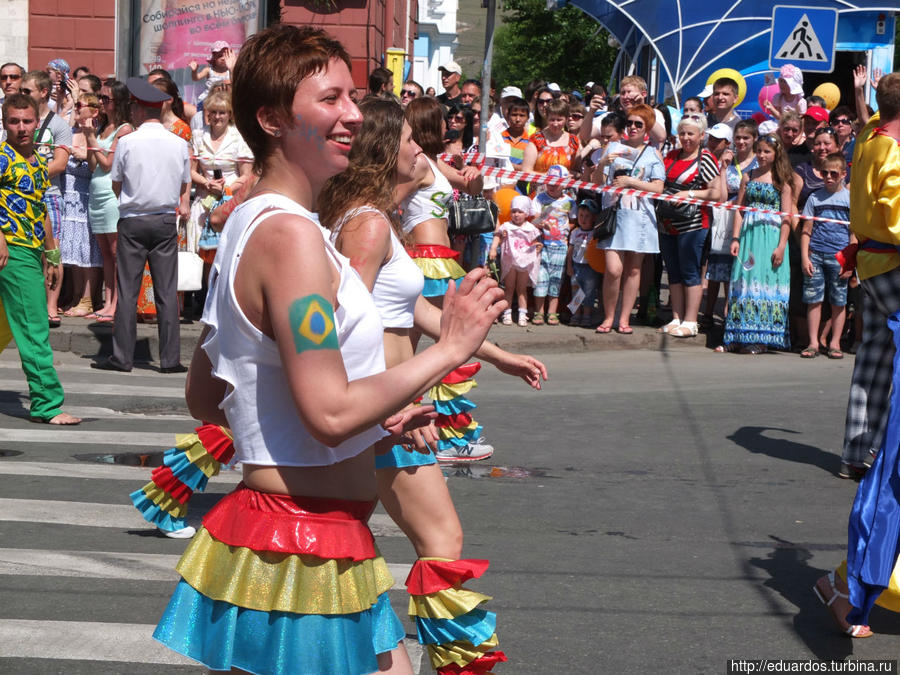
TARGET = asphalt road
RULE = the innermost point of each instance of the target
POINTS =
(647, 512)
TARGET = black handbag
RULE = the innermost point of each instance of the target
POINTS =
(607, 220)
(676, 212)
(472, 215)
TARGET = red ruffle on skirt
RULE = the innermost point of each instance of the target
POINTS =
(261, 521)
(457, 421)
(463, 373)
(432, 251)
(431, 576)
(479, 666)
(165, 480)
(216, 442)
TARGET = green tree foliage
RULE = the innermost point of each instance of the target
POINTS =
(565, 46)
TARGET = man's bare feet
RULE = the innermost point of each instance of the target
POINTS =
(63, 419)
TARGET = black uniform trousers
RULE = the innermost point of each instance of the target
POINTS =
(152, 239)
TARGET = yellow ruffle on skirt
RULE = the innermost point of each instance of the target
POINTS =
(267, 581)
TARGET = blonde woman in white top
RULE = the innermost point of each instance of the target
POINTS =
(220, 157)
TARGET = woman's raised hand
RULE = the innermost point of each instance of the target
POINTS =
(469, 311)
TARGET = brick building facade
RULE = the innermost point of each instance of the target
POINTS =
(84, 32)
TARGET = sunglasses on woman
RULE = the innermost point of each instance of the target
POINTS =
(576, 116)
(842, 120)
(637, 124)
(103, 98)
(80, 105)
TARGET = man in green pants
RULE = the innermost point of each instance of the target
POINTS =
(26, 242)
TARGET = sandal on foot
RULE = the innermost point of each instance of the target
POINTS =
(625, 330)
(603, 329)
(507, 318)
(538, 319)
(853, 630)
(523, 320)
(686, 329)
(54, 321)
(82, 309)
(553, 319)
(669, 327)
(834, 354)
(809, 353)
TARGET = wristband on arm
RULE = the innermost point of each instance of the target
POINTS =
(53, 256)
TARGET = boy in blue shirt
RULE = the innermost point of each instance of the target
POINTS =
(819, 241)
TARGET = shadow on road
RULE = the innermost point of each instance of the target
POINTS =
(755, 440)
(791, 576)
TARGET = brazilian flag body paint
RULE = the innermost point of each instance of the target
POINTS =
(312, 324)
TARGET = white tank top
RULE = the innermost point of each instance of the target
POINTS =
(259, 406)
(399, 282)
(428, 202)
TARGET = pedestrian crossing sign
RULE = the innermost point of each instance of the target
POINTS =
(803, 36)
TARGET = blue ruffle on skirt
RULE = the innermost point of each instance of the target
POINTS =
(155, 515)
(399, 457)
(437, 288)
(183, 470)
(223, 636)
(475, 627)
(454, 406)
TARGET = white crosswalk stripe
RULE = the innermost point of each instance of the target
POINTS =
(55, 511)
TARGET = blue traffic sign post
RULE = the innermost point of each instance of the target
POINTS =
(803, 36)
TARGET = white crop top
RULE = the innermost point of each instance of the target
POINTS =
(399, 282)
(265, 423)
(428, 202)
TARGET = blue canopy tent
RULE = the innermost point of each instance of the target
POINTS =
(689, 39)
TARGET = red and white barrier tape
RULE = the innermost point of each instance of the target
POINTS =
(511, 176)
(477, 159)
(245, 160)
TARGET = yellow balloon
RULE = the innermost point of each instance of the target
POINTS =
(831, 94)
(734, 75)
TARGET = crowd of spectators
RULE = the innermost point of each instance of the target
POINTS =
(82, 121)
(793, 156)
(705, 151)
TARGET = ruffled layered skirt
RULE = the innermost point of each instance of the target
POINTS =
(438, 264)
(279, 584)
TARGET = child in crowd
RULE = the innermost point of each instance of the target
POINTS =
(520, 256)
(760, 284)
(577, 267)
(612, 128)
(216, 71)
(819, 241)
(554, 208)
(516, 135)
(790, 93)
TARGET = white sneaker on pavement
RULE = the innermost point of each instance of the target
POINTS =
(472, 452)
(183, 533)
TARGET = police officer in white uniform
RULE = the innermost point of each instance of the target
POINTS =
(151, 175)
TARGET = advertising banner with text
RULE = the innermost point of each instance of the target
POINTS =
(171, 34)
